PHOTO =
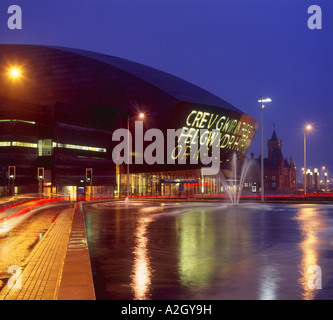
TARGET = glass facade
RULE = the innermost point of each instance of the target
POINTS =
(169, 183)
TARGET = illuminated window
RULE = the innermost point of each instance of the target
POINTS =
(17, 120)
(45, 147)
(5, 144)
(77, 147)
(24, 144)
(18, 144)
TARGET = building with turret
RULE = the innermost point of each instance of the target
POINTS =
(279, 173)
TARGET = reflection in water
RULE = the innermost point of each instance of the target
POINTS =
(310, 224)
(141, 272)
(245, 252)
(269, 282)
(196, 246)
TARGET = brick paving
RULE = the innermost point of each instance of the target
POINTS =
(52, 272)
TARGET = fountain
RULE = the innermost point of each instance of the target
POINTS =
(127, 201)
(233, 190)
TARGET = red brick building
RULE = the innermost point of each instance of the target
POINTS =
(279, 173)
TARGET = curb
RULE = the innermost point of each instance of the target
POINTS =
(76, 281)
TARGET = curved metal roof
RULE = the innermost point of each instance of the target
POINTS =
(178, 88)
(120, 77)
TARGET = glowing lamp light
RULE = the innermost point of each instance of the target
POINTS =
(308, 127)
(265, 100)
(141, 115)
(14, 73)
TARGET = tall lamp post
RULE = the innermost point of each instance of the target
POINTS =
(141, 116)
(326, 176)
(262, 101)
(306, 128)
(14, 74)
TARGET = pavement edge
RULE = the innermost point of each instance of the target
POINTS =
(76, 281)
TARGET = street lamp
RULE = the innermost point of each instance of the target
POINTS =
(325, 170)
(262, 100)
(141, 116)
(13, 73)
(306, 128)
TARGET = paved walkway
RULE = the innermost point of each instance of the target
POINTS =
(76, 281)
(58, 268)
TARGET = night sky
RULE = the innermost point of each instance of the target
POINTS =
(236, 49)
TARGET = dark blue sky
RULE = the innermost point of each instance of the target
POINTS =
(236, 49)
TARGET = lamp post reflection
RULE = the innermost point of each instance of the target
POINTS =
(141, 272)
(196, 244)
(269, 282)
(311, 224)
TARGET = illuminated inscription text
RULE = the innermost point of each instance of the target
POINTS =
(231, 133)
(203, 137)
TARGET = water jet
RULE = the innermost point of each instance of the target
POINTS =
(234, 191)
